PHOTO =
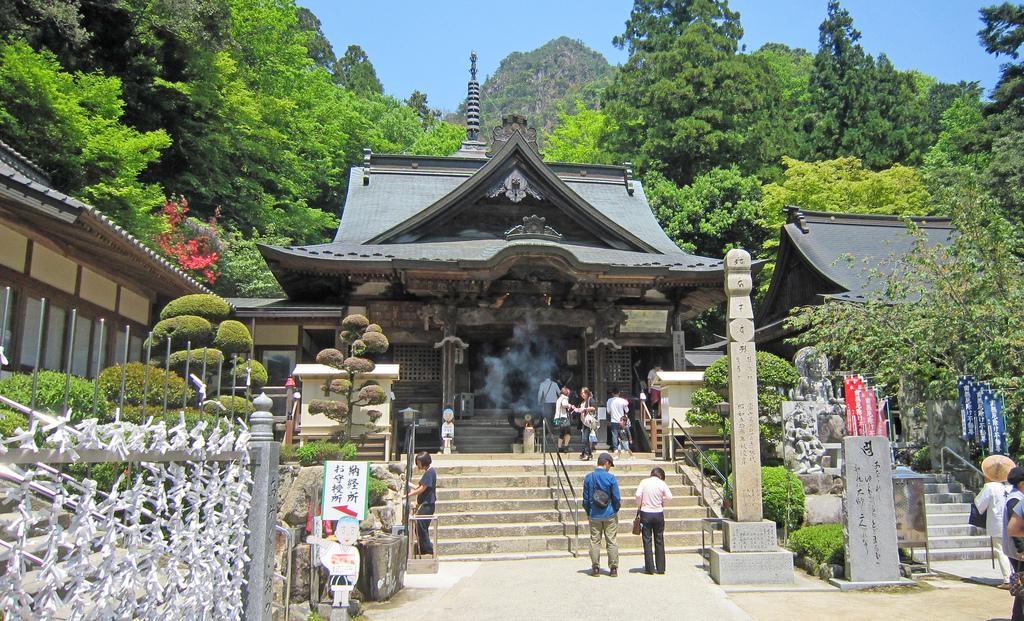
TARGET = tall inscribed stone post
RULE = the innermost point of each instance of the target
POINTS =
(745, 434)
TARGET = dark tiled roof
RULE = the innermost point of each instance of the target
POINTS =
(30, 192)
(844, 248)
(17, 161)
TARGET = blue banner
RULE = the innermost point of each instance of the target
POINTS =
(970, 410)
(961, 389)
(999, 420)
(980, 419)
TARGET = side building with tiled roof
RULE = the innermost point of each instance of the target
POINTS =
(58, 255)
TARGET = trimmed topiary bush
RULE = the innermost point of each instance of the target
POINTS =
(182, 331)
(782, 506)
(319, 451)
(50, 394)
(210, 307)
(233, 338)
(233, 407)
(135, 377)
(257, 376)
(214, 357)
(823, 543)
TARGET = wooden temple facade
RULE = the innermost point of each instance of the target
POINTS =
(491, 254)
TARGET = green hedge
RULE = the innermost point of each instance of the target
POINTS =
(319, 451)
(257, 378)
(135, 378)
(774, 498)
(233, 407)
(214, 357)
(233, 338)
(50, 394)
(10, 421)
(210, 307)
(823, 543)
(182, 331)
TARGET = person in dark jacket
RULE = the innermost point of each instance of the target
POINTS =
(601, 501)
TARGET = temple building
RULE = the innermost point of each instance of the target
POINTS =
(488, 271)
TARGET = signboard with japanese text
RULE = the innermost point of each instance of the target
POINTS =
(340, 559)
(345, 490)
(644, 320)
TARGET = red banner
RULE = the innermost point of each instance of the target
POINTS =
(869, 412)
(855, 419)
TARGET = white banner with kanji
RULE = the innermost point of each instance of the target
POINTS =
(345, 490)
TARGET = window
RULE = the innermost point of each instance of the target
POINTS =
(56, 328)
(83, 343)
(29, 338)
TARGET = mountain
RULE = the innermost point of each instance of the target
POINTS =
(536, 83)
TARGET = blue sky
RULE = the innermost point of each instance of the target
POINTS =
(425, 45)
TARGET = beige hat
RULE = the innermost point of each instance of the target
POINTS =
(996, 467)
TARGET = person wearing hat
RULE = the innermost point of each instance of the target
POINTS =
(991, 501)
(601, 501)
(1013, 532)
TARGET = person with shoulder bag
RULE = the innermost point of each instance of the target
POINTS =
(651, 496)
(601, 501)
(1013, 539)
(989, 505)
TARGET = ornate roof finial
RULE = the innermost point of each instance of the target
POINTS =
(471, 146)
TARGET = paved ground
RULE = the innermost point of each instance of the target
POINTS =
(545, 589)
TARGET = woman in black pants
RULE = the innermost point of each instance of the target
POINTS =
(651, 496)
(426, 497)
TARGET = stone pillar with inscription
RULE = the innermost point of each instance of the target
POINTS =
(264, 455)
(750, 552)
(869, 515)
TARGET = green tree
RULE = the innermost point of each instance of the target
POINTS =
(317, 46)
(442, 139)
(719, 211)
(418, 102)
(580, 137)
(685, 101)
(244, 273)
(71, 125)
(939, 312)
(354, 71)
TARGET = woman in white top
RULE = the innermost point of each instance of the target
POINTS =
(991, 501)
(651, 496)
(563, 427)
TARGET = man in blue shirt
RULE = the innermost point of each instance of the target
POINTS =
(601, 501)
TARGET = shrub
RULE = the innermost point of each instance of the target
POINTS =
(139, 415)
(287, 452)
(50, 394)
(135, 377)
(921, 460)
(782, 506)
(233, 338)
(717, 459)
(214, 357)
(372, 395)
(335, 410)
(209, 307)
(234, 407)
(330, 357)
(355, 323)
(319, 451)
(774, 496)
(182, 330)
(10, 421)
(376, 490)
(358, 365)
(104, 473)
(822, 543)
(257, 376)
(375, 342)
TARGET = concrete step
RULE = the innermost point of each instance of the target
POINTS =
(944, 519)
(964, 541)
(948, 497)
(518, 556)
(955, 554)
(533, 504)
(532, 516)
(463, 481)
(679, 492)
(550, 529)
(497, 545)
(943, 488)
(954, 530)
(573, 465)
(947, 507)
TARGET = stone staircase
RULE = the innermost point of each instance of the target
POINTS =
(950, 537)
(507, 510)
(488, 431)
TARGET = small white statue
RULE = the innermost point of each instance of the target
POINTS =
(447, 431)
(807, 449)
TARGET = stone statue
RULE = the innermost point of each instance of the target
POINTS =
(447, 431)
(802, 439)
(815, 387)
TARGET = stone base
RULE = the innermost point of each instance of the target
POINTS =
(846, 585)
(749, 536)
(751, 567)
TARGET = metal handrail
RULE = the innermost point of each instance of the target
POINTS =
(962, 460)
(575, 506)
(645, 418)
(702, 458)
(287, 577)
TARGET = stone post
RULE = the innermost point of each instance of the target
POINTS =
(264, 455)
(750, 552)
(745, 435)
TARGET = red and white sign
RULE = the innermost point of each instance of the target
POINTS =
(340, 559)
(345, 490)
